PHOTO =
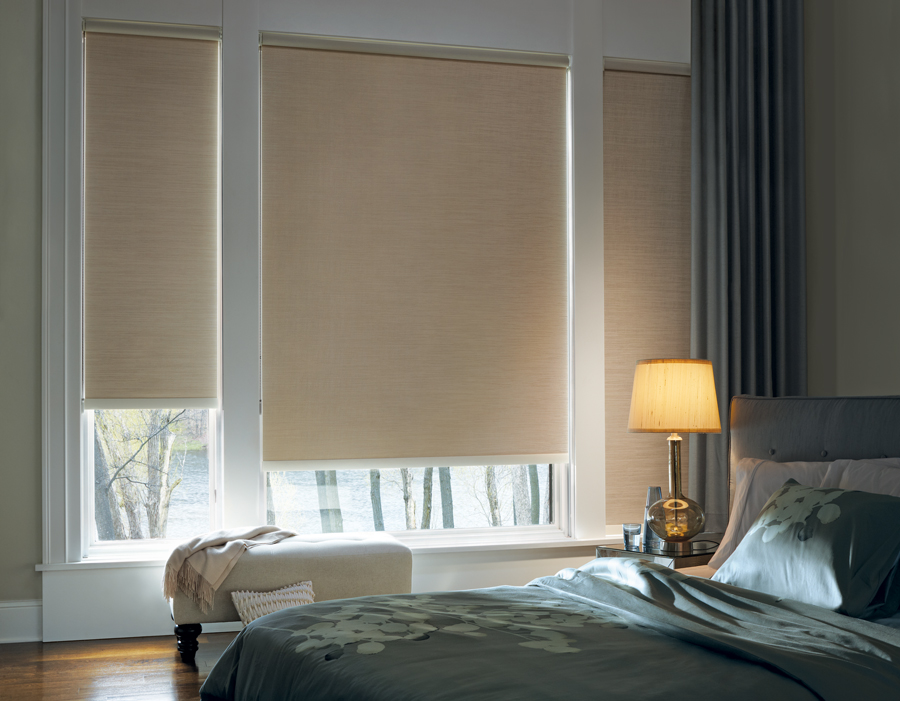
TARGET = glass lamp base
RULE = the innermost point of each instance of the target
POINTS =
(676, 521)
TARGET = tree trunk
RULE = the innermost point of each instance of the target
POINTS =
(270, 503)
(102, 438)
(329, 504)
(409, 501)
(154, 471)
(168, 481)
(132, 501)
(446, 496)
(490, 483)
(426, 498)
(375, 493)
(535, 494)
(521, 499)
(103, 513)
(546, 504)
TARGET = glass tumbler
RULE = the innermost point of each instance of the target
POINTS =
(631, 533)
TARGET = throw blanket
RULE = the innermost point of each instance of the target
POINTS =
(617, 629)
(199, 566)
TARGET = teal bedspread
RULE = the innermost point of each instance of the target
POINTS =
(613, 629)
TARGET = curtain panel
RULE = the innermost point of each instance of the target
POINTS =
(748, 236)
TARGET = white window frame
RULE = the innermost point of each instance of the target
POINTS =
(240, 487)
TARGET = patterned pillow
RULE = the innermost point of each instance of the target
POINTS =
(251, 605)
(829, 547)
(754, 482)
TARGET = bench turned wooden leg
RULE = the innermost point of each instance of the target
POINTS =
(186, 637)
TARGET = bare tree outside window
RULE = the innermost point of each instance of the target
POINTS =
(406, 498)
(141, 457)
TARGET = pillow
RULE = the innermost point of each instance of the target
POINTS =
(251, 605)
(879, 476)
(754, 482)
(830, 547)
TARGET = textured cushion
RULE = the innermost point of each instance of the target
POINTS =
(828, 547)
(251, 605)
(754, 482)
(341, 565)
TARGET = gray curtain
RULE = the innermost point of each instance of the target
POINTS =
(747, 215)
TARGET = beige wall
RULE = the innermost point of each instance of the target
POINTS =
(20, 298)
(853, 195)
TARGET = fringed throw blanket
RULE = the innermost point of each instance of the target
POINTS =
(199, 566)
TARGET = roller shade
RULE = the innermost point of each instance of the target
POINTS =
(647, 263)
(150, 221)
(414, 284)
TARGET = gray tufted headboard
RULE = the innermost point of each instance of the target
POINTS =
(812, 429)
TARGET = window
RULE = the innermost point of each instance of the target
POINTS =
(414, 288)
(150, 283)
(152, 471)
(647, 262)
(407, 499)
(119, 323)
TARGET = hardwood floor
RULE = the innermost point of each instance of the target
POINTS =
(131, 669)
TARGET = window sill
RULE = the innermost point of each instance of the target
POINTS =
(429, 547)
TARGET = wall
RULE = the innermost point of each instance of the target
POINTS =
(853, 208)
(20, 298)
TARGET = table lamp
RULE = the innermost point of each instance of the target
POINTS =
(674, 396)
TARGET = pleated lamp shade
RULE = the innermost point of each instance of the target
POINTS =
(674, 396)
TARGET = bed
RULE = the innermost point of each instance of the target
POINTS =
(628, 629)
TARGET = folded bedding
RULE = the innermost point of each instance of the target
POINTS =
(614, 629)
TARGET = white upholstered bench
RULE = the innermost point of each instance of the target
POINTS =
(339, 565)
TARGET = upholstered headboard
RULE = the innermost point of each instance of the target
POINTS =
(813, 429)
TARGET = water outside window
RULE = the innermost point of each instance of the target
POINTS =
(151, 473)
(400, 499)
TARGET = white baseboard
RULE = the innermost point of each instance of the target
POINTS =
(20, 621)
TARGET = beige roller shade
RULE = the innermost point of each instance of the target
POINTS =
(413, 257)
(150, 221)
(647, 264)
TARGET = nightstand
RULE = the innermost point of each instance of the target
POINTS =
(702, 553)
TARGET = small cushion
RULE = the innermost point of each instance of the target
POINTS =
(833, 548)
(251, 605)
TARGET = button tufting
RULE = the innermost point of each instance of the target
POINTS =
(771, 451)
(824, 453)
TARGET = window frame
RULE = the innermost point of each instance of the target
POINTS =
(581, 507)
(91, 548)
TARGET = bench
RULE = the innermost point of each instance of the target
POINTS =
(339, 565)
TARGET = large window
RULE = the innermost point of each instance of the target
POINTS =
(407, 499)
(150, 283)
(414, 287)
(401, 299)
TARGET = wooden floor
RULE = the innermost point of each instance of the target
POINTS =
(132, 669)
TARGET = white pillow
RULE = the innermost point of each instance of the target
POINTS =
(251, 605)
(878, 476)
(754, 482)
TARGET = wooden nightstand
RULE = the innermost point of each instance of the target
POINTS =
(675, 562)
